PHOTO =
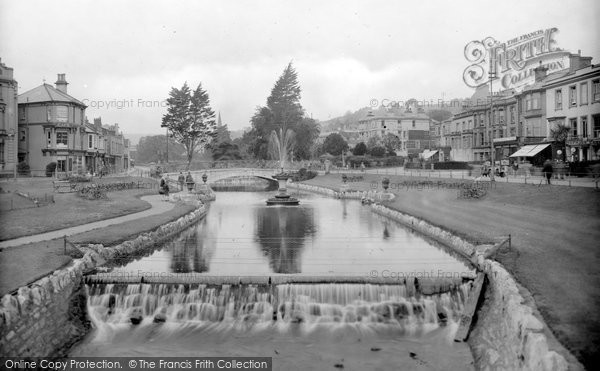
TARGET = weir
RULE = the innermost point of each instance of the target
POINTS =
(251, 304)
(413, 285)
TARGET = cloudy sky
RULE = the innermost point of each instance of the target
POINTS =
(129, 54)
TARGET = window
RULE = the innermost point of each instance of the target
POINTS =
(90, 141)
(512, 114)
(558, 99)
(1, 152)
(414, 123)
(596, 90)
(62, 138)
(584, 128)
(573, 125)
(49, 138)
(583, 93)
(596, 122)
(573, 96)
(61, 165)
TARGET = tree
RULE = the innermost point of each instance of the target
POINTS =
(372, 142)
(190, 119)
(226, 151)
(335, 144)
(439, 114)
(307, 131)
(391, 143)
(559, 134)
(282, 114)
(153, 148)
(221, 135)
(360, 149)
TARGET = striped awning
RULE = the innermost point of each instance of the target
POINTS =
(530, 151)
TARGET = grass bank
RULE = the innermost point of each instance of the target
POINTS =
(69, 209)
(555, 231)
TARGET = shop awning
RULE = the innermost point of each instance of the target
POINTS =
(427, 154)
(530, 151)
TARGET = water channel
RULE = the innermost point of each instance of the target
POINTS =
(365, 324)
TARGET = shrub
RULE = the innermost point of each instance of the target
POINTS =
(50, 168)
(413, 165)
(452, 165)
(377, 151)
(393, 161)
(23, 168)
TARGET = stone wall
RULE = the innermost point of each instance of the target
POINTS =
(46, 317)
(507, 334)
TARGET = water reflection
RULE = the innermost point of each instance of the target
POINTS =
(192, 253)
(281, 233)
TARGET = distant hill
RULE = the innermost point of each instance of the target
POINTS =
(349, 121)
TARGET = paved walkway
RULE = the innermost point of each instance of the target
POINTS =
(158, 206)
(464, 174)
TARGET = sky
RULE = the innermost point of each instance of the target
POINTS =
(122, 58)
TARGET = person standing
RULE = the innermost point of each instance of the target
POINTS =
(548, 169)
(189, 180)
(164, 188)
(181, 180)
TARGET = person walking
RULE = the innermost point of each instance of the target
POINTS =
(181, 180)
(548, 169)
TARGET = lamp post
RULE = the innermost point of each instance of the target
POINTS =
(492, 76)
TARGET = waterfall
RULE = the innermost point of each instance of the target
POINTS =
(312, 305)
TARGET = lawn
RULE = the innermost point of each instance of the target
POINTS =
(69, 209)
(24, 264)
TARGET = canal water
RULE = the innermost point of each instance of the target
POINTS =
(360, 325)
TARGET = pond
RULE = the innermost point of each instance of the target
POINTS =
(242, 236)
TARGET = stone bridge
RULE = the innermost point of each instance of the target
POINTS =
(215, 175)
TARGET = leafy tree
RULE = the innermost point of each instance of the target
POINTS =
(559, 134)
(316, 150)
(372, 142)
(282, 113)
(360, 149)
(335, 144)
(307, 131)
(391, 143)
(226, 151)
(439, 114)
(190, 119)
(153, 148)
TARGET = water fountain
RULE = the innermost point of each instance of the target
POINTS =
(279, 147)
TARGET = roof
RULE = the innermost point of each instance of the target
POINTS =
(47, 93)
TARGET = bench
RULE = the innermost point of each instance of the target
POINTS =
(64, 186)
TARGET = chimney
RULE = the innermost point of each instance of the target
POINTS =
(61, 83)
(540, 72)
(577, 62)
